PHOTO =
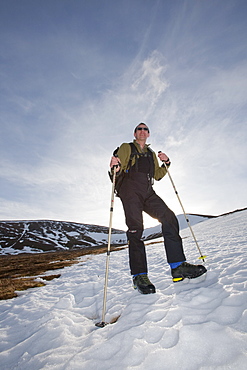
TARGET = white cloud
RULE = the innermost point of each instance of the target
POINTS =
(151, 76)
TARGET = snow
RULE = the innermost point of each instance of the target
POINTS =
(186, 326)
(193, 220)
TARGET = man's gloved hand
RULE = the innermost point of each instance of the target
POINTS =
(115, 161)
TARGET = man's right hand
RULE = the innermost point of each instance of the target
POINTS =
(115, 161)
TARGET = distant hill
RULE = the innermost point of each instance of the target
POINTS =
(46, 235)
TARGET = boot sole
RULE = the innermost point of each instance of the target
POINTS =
(188, 282)
(147, 291)
(181, 278)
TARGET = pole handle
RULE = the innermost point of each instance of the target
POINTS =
(116, 156)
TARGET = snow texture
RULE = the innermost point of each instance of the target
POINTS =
(186, 326)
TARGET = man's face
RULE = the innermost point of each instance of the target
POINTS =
(142, 133)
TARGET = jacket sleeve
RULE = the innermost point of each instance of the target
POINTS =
(159, 171)
(124, 155)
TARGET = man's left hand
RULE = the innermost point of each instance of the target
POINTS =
(163, 157)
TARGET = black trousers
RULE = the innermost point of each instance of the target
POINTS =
(138, 196)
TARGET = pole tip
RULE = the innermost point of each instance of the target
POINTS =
(101, 324)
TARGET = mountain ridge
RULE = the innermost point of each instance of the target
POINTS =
(36, 236)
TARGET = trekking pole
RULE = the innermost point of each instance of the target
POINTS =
(185, 215)
(103, 323)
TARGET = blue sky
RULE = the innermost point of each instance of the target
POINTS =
(78, 76)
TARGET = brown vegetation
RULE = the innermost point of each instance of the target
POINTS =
(23, 271)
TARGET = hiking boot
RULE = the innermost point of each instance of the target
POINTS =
(143, 284)
(186, 270)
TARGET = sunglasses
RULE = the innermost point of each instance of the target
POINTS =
(142, 128)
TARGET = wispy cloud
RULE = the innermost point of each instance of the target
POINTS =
(68, 102)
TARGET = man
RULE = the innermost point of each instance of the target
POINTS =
(137, 195)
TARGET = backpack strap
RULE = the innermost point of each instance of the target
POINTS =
(134, 152)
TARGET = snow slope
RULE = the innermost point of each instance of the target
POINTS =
(183, 326)
(152, 232)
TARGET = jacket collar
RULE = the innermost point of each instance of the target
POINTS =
(138, 146)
